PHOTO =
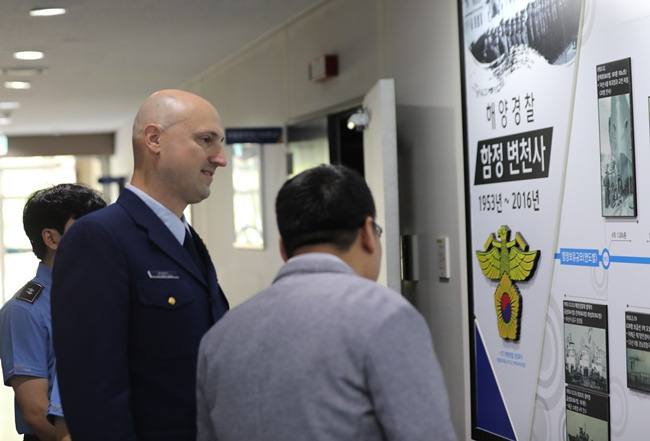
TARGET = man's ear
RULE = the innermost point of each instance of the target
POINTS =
(151, 134)
(283, 251)
(51, 238)
(367, 236)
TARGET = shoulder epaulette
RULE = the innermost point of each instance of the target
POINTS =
(30, 292)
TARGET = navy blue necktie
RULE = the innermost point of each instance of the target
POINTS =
(190, 247)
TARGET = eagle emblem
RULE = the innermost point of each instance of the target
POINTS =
(507, 261)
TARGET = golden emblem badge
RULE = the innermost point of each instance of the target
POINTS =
(507, 261)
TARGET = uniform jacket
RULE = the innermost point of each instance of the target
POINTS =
(129, 307)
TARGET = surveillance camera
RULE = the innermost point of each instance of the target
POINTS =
(358, 120)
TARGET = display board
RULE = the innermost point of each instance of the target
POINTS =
(558, 220)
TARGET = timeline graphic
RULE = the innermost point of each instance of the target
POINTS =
(592, 257)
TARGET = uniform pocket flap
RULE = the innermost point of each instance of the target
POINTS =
(164, 293)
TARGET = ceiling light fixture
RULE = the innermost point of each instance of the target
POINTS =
(47, 12)
(9, 105)
(5, 121)
(17, 85)
(28, 55)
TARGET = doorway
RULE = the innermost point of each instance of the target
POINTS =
(346, 146)
(324, 140)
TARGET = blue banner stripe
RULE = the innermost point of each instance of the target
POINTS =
(579, 257)
(591, 257)
(630, 259)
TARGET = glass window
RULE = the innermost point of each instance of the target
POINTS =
(19, 177)
(247, 201)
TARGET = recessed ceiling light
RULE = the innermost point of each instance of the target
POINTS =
(5, 121)
(9, 105)
(28, 55)
(17, 85)
(47, 12)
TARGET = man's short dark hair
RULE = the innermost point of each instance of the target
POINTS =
(323, 205)
(52, 207)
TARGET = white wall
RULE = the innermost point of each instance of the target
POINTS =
(267, 85)
(422, 54)
(416, 43)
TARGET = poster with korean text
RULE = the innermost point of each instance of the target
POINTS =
(520, 59)
(559, 246)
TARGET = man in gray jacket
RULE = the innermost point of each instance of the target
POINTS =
(324, 353)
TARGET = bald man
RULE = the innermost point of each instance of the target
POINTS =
(134, 288)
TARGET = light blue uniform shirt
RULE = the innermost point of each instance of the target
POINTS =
(26, 338)
(55, 409)
(176, 226)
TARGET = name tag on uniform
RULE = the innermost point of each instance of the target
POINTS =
(154, 274)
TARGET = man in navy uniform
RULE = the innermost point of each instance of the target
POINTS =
(28, 361)
(134, 288)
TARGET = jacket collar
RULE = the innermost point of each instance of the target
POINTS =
(160, 235)
(313, 263)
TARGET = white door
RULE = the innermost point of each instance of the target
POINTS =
(380, 169)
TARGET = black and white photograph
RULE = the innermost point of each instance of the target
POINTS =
(587, 416)
(637, 349)
(616, 133)
(504, 36)
(585, 345)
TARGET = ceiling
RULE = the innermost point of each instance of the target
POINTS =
(105, 56)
